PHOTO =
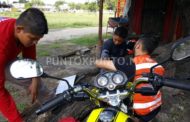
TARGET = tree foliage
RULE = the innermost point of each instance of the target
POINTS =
(110, 4)
(91, 6)
(27, 5)
(37, 2)
(58, 3)
(22, 1)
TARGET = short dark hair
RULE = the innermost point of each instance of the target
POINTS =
(149, 44)
(34, 21)
(121, 32)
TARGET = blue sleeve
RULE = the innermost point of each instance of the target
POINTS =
(106, 49)
(125, 65)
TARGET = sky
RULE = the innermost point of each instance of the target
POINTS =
(53, 1)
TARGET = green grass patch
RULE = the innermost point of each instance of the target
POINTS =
(10, 14)
(87, 40)
(68, 20)
(54, 48)
(21, 107)
(46, 49)
(43, 53)
(55, 45)
(42, 50)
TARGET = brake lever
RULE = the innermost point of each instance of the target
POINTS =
(155, 80)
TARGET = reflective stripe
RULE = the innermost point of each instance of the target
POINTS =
(146, 105)
(146, 65)
(141, 79)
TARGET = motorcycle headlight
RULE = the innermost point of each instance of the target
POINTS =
(102, 81)
(118, 78)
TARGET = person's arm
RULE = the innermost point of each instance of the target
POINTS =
(33, 88)
(106, 64)
(125, 65)
(105, 54)
(30, 52)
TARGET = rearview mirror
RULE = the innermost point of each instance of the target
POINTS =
(181, 49)
(26, 68)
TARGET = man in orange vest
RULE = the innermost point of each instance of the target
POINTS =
(145, 107)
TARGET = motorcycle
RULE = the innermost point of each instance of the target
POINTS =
(109, 91)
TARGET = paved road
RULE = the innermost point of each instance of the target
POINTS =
(69, 33)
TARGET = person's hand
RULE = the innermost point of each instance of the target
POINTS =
(33, 88)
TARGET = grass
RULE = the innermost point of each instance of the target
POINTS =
(55, 45)
(21, 106)
(68, 20)
(87, 40)
(44, 50)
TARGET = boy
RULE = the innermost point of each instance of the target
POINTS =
(117, 46)
(19, 35)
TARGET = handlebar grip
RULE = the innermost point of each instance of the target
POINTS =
(174, 84)
(52, 103)
(146, 91)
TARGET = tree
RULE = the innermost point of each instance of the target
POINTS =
(91, 6)
(22, 1)
(27, 5)
(58, 3)
(72, 5)
(79, 6)
(37, 2)
(110, 4)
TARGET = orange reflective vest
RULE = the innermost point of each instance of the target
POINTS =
(143, 105)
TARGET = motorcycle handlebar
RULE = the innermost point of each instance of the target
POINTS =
(175, 84)
(60, 99)
(146, 92)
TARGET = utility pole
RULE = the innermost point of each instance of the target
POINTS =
(100, 41)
